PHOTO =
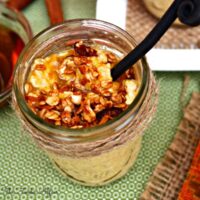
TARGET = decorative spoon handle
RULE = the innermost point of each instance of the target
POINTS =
(188, 12)
(55, 12)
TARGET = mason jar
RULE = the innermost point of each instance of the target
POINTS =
(96, 155)
(15, 32)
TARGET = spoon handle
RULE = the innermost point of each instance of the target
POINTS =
(179, 8)
(55, 12)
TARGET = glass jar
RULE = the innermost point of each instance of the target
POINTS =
(91, 156)
(15, 32)
(158, 8)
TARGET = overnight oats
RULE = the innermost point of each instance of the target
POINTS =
(89, 125)
(74, 88)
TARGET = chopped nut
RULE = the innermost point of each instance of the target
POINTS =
(57, 122)
(54, 115)
(40, 67)
(80, 60)
(83, 50)
(31, 94)
(28, 88)
(67, 108)
(77, 127)
(83, 69)
(74, 88)
(102, 57)
(66, 117)
(67, 105)
(88, 114)
(106, 93)
(42, 113)
(130, 90)
(104, 72)
(99, 108)
(122, 105)
(76, 99)
(52, 100)
(106, 84)
(117, 98)
(104, 119)
(64, 94)
(89, 76)
(41, 103)
(41, 80)
(93, 97)
(111, 57)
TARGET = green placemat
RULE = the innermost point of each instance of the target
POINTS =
(36, 12)
(27, 173)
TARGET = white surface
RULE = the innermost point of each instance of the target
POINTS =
(113, 11)
(174, 59)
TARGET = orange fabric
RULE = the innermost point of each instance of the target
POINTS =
(191, 187)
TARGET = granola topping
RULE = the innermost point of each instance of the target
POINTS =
(74, 88)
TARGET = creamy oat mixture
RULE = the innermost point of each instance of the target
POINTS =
(74, 88)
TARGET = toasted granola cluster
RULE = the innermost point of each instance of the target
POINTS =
(74, 88)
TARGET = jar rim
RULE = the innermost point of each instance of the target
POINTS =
(64, 131)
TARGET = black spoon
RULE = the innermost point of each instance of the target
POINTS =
(188, 12)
